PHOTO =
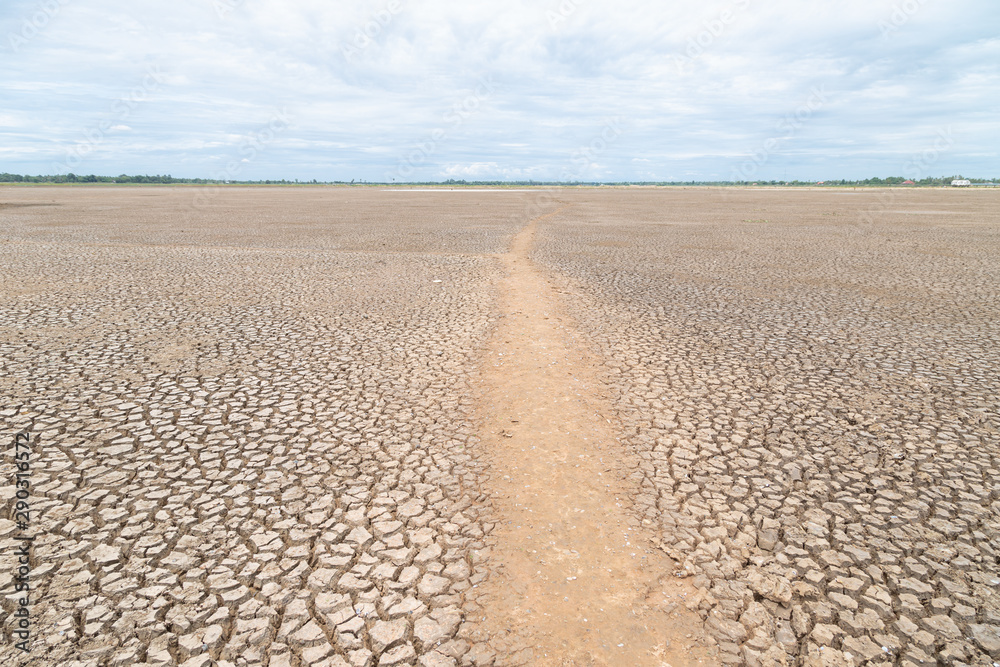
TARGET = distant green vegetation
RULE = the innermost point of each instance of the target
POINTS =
(899, 180)
(168, 180)
(124, 178)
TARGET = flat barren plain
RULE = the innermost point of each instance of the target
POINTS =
(358, 426)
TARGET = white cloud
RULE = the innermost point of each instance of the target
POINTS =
(699, 89)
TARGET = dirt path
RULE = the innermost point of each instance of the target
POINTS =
(576, 579)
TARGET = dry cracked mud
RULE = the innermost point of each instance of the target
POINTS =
(270, 426)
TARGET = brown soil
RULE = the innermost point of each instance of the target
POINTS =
(577, 579)
(260, 446)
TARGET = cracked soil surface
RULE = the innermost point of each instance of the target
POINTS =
(330, 426)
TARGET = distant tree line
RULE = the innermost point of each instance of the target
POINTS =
(168, 179)
(899, 180)
(141, 179)
(891, 180)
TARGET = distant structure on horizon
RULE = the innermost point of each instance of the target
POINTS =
(961, 183)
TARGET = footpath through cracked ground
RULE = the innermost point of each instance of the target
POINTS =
(358, 427)
(576, 578)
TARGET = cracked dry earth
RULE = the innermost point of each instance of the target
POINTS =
(327, 426)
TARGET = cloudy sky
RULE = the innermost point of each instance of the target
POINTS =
(407, 90)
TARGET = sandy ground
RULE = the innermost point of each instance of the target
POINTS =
(289, 426)
(578, 578)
